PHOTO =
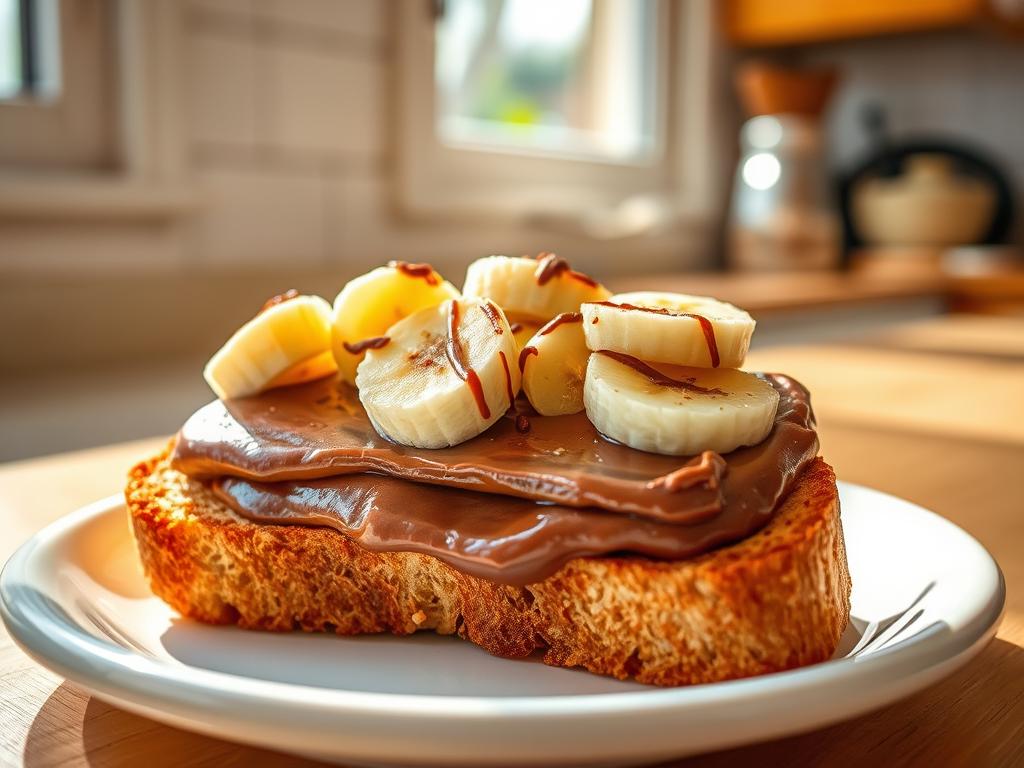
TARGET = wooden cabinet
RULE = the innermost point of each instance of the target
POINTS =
(762, 23)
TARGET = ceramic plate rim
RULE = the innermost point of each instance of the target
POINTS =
(81, 657)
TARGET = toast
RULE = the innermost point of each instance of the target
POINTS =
(776, 600)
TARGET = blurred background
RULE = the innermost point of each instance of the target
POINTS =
(847, 171)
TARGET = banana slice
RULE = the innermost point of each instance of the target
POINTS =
(370, 304)
(523, 330)
(537, 288)
(675, 410)
(553, 364)
(284, 344)
(444, 376)
(315, 367)
(670, 328)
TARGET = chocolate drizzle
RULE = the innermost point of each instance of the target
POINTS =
(705, 325)
(549, 266)
(709, 337)
(493, 315)
(421, 271)
(280, 298)
(565, 317)
(453, 349)
(524, 355)
(376, 342)
(508, 380)
(659, 378)
(522, 423)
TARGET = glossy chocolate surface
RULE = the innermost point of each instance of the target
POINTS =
(320, 430)
(516, 541)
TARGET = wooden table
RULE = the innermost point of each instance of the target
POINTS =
(932, 412)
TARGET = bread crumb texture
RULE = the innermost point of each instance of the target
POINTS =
(777, 600)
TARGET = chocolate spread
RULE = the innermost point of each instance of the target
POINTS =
(308, 455)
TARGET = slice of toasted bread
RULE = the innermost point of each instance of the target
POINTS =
(777, 600)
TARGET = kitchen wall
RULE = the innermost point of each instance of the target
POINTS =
(287, 112)
(966, 85)
(287, 107)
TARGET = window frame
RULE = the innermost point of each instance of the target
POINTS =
(68, 125)
(439, 181)
(143, 175)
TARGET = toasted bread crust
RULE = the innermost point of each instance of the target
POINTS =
(777, 600)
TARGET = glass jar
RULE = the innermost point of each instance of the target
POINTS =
(783, 216)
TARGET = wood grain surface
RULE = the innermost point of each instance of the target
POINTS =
(932, 412)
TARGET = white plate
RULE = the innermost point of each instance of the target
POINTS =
(926, 597)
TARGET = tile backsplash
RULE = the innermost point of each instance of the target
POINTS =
(286, 111)
(287, 108)
(966, 86)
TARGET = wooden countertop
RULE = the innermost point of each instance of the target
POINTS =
(760, 293)
(931, 411)
(769, 293)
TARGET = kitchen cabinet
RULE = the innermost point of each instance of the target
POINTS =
(765, 23)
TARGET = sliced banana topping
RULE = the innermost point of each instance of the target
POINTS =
(308, 370)
(368, 305)
(670, 328)
(675, 410)
(523, 330)
(445, 374)
(537, 288)
(653, 370)
(553, 364)
(289, 342)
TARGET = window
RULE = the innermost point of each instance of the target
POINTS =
(57, 90)
(12, 78)
(29, 49)
(557, 111)
(580, 84)
(89, 110)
